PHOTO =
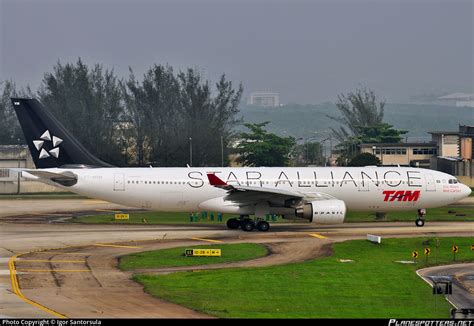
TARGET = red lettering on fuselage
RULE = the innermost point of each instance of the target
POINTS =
(401, 195)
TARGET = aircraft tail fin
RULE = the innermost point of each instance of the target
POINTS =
(50, 144)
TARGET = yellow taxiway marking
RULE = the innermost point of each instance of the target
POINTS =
(207, 240)
(49, 261)
(52, 270)
(115, 246)
(316, 235)
(16, 290)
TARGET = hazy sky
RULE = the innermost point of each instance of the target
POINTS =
(309, 51)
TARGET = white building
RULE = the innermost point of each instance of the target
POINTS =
(458, 99)
(265, 99)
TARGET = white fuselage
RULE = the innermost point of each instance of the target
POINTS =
(188, 190)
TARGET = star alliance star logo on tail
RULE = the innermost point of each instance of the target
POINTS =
(46, 137)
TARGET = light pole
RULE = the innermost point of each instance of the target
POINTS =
(329, 136)
(306, 142)
(326, 155)
(190, 151)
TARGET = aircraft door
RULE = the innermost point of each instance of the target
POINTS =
(430, 182)
(119, 182)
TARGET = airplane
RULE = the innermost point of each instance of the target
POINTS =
(321, 195)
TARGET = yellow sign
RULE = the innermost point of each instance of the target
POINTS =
(455, 249)
(122, 216)
(202, 252)
(427, 251)
(472, 247)
(414, 254)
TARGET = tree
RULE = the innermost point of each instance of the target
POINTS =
(358, 109)
(167, 109)
(260, 148)
(379, 133)
(362, 122)
(135, 120)
(364, 159)
(208, 118)
(88, 101)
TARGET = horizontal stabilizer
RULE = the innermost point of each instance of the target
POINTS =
(66, 178)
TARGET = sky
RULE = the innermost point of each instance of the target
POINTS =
(308, 51)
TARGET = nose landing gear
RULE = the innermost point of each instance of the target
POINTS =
(419, 217)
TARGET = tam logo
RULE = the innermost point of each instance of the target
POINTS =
(401, 195)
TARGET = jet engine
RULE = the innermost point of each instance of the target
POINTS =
(331, 211)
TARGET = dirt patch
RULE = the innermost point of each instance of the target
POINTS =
(283, 252)
(85, 282)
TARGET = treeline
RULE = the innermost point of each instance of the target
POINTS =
(166, 118)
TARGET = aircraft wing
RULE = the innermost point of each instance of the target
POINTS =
(245, 195)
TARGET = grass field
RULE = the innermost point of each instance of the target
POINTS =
(174, 257)
(374, 285)
(448, 213)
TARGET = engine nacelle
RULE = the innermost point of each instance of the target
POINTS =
(332, 211)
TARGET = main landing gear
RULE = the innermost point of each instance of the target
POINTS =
(247, 224)
(420, 221)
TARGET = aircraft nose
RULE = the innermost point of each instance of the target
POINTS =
(466, 191)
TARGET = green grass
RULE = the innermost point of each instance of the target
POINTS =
(447, 213)
(146, 218)
(174, 257)
(153, 218)
(373, 286)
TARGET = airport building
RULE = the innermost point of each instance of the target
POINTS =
(458, 161)
(458, 99)
(18, 156)
(413, 154)
(448, 151)
(264, 99)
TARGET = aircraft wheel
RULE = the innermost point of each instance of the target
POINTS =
(263, 226)
(419, 222)
(247, 225)
(233, 223)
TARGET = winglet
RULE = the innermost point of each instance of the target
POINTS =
(215, 181)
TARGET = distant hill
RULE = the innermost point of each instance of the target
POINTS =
(303, 120)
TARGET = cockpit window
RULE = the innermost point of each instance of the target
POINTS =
(453, 181)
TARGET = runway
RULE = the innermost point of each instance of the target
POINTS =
(56, 270)
(463, 282)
